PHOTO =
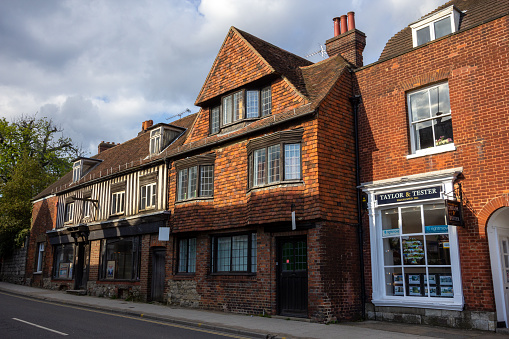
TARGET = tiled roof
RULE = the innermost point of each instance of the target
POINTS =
(475, 12)
(320, 77)
(284, 63)
(244, 58)
(122, 157)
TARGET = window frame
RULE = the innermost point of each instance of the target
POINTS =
(56, 262)
(156, 136)
(251, 254)
(136, 247)
(218, 113)
(152, 198)
(117, 206)
(69, 212)
(450, 12)
(39, 262)
(449, 146)
(77, 170)
(281, 139)
(199, 162)
(190, 265)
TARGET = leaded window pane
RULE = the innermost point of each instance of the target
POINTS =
(274, 160)
(223, 254)
(239, 252)
(252, 98)
(227, 110)
(214, 127)
(207, 181)
(292, 161)
(259, 167)
(191, 267)
(266, 101)
(193, 182)
(182, 192)
(183, 255)
(238, 106)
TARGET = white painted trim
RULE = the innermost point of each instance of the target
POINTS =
(42, 199)
(432, 150)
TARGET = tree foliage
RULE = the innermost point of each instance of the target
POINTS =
(32, 156)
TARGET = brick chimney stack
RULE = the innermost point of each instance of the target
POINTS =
(347, 41)
(103, 146)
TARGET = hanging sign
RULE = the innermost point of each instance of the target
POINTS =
(411, 195)
(453, 213)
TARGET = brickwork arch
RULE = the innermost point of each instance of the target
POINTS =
(490, 208)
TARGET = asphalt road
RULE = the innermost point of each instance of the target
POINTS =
(22, 317)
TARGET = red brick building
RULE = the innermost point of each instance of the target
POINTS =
(260, 188)
(433, 126)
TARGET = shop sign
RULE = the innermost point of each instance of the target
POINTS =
(436, 229)
(411, 195)
(391, 232)
(453, 212)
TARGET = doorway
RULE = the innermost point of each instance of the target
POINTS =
(82, 266)
(158, 274)
(292, 277)
(498, 239)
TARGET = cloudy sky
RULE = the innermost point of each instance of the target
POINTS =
(99, 68)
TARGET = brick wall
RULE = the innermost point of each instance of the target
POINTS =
(44, 214)
(475, 65)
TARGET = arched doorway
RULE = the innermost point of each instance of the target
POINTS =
(498, 238)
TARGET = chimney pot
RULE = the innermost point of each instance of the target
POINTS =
(351, 20)
(337, 30)
(343, 24)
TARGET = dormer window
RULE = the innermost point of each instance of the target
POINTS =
(155, 141)
(242, 105)
(77, 169)
(435, 26)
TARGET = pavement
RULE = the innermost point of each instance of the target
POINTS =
(245, 325)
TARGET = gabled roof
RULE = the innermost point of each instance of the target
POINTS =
(474, 12)
(121, 158)
(244, 58)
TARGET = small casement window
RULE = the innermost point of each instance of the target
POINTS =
(86, 208)
(430, 118)
(187, 255)
(435, 26)
(117, 202)
(196, 181)
(195, 177)
(241, 105)
(63, 261)
(214, 119)
(234, 253)
(148, 196)
(275, 158)
(76, 170)
(155, 141)
(39, 258)
(69, 212)
(120, 258)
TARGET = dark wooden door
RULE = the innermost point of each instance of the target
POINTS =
(158, 273)
(292, 288)
(82, 266)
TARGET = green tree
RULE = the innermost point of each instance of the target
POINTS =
(40, 139)
(27, 180)
(33, 154)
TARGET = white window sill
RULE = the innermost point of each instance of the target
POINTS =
(432, 150)
(433, 303)
(38, 272)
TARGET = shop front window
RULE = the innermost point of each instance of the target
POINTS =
(64, 261)
(416, 252)
(121, 258)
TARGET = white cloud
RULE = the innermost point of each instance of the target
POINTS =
(100, 68)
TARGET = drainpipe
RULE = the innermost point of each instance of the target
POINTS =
(167, 163)
(356, 100)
